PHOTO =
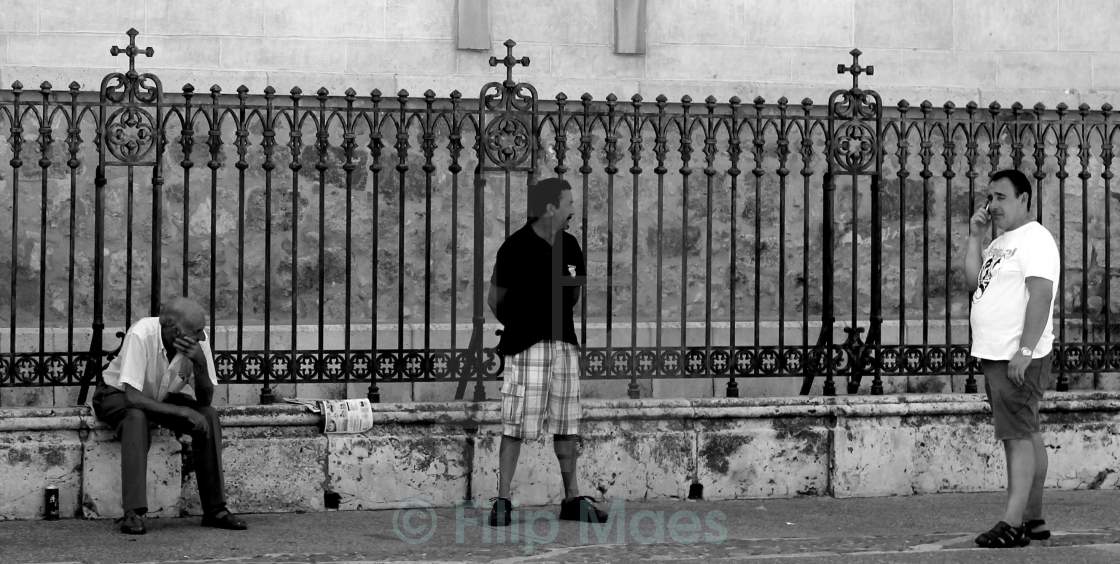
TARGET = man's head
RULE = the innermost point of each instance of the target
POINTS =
(182, 316)
(550, 201)
(1010, 193)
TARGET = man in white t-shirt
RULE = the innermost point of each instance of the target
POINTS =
(1013, 284)
(164, 375)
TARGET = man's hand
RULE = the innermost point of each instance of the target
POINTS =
(980, 222)
(198, 422)
(188, 347)
(1017, 368)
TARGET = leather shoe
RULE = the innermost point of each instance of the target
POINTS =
(224, 520)
(132, 524)
(500, 513)
(583, 509)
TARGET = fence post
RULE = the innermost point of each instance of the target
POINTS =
(506, 144)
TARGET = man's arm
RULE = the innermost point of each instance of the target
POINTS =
(496, 300)
(500, 282)
(972, 263)
(203, 387)
(192, 349)
(138, 400)
(1039, 293)
(148, 405)
(978, 226)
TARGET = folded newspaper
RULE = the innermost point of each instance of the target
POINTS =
(340, 416)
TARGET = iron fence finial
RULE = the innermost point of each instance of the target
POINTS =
(132, 50)
(855, 69)
(509, 61)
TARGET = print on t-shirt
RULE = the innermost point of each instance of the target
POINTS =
(991, 265)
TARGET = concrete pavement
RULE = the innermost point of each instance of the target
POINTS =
(930, 528)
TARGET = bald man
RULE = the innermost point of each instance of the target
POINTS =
(164, 375)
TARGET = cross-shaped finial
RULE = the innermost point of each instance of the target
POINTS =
(132, 50)
(509, 61)
(855, 69)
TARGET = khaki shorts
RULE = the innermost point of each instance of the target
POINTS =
(1015, 408)
(541, 386)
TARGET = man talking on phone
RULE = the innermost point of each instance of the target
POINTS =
(165, 376)
(1012, 334)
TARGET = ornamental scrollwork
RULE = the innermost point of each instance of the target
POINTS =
(855, 105)
(130, 133)
(119, 87)
(507, 141)
(43, 369)
(854, 146)
(518, 97)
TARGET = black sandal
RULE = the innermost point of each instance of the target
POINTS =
(1040, 535)
(1004, 536)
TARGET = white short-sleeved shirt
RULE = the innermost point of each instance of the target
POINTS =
(142, 364)
(999, 304)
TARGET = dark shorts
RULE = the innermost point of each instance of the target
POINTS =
(1015, 408)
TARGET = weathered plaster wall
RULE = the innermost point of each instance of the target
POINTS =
(276, 459)
(983, 50)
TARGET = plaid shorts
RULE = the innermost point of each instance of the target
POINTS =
(546, 375)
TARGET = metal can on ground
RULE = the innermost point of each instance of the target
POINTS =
(50, 503)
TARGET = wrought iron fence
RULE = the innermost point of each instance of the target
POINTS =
(348, 238)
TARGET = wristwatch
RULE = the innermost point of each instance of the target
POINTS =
(1027, 352)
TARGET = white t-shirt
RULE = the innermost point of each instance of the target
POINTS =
(143, 364)
(999, 304)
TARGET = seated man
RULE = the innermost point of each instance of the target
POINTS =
(165, 375)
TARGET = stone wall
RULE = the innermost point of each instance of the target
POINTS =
(983, 50)
(276, 459)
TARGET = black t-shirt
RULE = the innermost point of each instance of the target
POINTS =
(543, 284)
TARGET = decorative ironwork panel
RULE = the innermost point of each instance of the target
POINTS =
(130, 132)
(358, 209)
(507, 117)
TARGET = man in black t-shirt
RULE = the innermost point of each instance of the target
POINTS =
(538, 277)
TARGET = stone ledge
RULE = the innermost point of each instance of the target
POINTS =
(464, 412)
(278, 460)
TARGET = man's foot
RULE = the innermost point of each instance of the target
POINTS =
(224, 520)
(1003, 535)
(132, 523)
(500, 513)
(582, 508)
(1037, 529)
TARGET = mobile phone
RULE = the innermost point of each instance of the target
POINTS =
(988, 203)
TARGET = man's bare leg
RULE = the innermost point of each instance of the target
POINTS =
(1033, 509)
(567, 452)
(1020, 478)
(508, 452)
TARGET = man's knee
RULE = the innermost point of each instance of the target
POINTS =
(213, 426)
(209, 413)
(566, 441)
(134, 418)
